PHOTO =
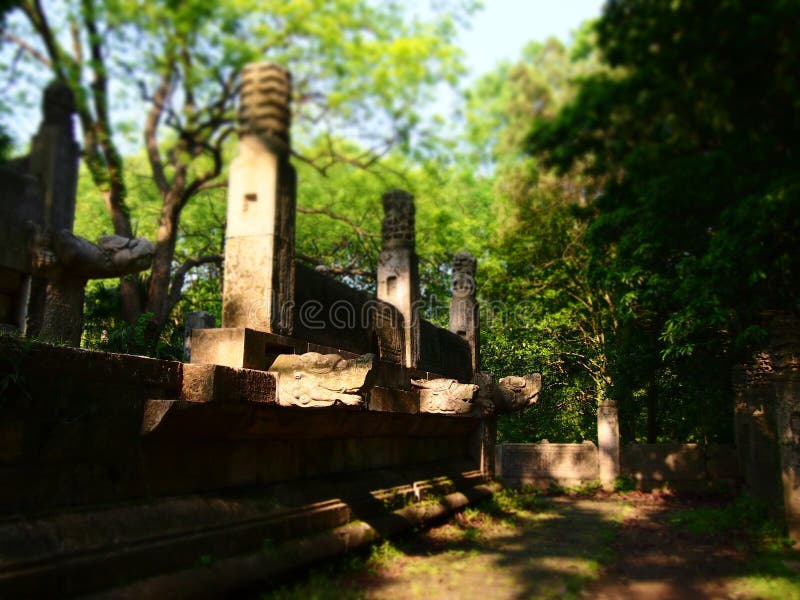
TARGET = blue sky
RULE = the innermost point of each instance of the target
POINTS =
(504, 27)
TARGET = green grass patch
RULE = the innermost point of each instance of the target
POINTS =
(773, 567)
(745, 514)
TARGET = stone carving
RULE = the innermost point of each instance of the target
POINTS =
(510, 394)
(464, 315)
(445, 396)
(320, 380)
(65, 254)
(398, 269)
(464, 268)
(67, 262)
(398, 220)
(266, 94)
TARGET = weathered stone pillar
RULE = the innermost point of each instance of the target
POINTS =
(608, 442)
(398, 267)
(464, 319)
(259, 247)
(767, 419)
(192, 321)
(483, 446)
(53, 163)
(787, 393)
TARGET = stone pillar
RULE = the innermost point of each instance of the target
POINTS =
(787, 393)
(464, 319)
(398, 267)
(259, 248)
(484, 447)
(53, 163)
(192, 321)
(608, 442)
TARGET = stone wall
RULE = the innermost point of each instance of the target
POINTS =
(444, 352)
(680, 466)
(82, 427)
(543, 464)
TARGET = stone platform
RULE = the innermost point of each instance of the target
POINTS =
(116, 469)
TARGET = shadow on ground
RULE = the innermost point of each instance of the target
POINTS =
(525, 546)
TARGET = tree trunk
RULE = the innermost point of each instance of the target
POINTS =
(652, 410)
(161, 270)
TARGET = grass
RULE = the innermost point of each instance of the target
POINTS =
(773, 565)
(518, 541)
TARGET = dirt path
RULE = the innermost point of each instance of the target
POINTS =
(655, 560)
(526, 546)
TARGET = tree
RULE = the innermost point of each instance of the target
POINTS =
(5, 140)
(541, 310)
(181, 60)
(694, 129)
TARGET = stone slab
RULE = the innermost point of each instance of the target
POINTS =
(522, 464)
(216, 383)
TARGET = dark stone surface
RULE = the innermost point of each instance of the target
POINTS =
(330, 313)
(444, 352)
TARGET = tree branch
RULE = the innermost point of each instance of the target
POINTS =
(321, 211)
(336, 270)
(179, 276)
(23, 45)
(162, 92)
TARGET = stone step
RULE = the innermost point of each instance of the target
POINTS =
(75, 552)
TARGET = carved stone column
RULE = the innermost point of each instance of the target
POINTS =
(608, 442)
(259, 247)
(53, 163)
(398, 267)
(464, 319)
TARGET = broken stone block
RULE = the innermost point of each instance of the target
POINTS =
(445, 396)
(320, 380)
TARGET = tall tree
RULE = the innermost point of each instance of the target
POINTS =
(361, 72)
(696, 131)
(541, 311)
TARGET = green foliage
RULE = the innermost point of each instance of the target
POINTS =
(694, 145)
(624, 483)
(181, 59)
(540, 312)
(104, 329)
(746, 513)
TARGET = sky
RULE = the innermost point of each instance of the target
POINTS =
(504, 27)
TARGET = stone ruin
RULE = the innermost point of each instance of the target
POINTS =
(767, 419)
(311, 422)
(43, 266)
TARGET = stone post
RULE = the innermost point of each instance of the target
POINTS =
(54, 165)
(195, 320)
(464, 319)
(608, 443)
(259, 248)
(398, 267)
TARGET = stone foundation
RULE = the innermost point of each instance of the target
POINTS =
(118, 468)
